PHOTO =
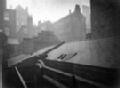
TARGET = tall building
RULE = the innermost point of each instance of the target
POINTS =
(72, 27)
(10, 23)
(39, 27)
(22, 22)
(30, 26)
(22, 15)
(86, 13)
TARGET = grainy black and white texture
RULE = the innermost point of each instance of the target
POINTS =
(66, 54)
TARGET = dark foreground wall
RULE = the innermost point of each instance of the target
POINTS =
(105, 26)
(105, 18)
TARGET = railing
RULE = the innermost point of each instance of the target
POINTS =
(69, 75)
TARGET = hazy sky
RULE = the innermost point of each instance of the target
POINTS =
(47, 9)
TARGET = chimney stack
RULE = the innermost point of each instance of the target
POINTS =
(77, 8)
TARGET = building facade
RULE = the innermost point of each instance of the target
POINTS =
(71, 27)
(30, 27)
(22, 15)
(86, 13)
(10, 23)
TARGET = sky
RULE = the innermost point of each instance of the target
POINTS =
(44, 10)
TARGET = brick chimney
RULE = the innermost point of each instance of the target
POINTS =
(77, 9)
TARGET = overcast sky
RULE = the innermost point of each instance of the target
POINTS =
(47, 9)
